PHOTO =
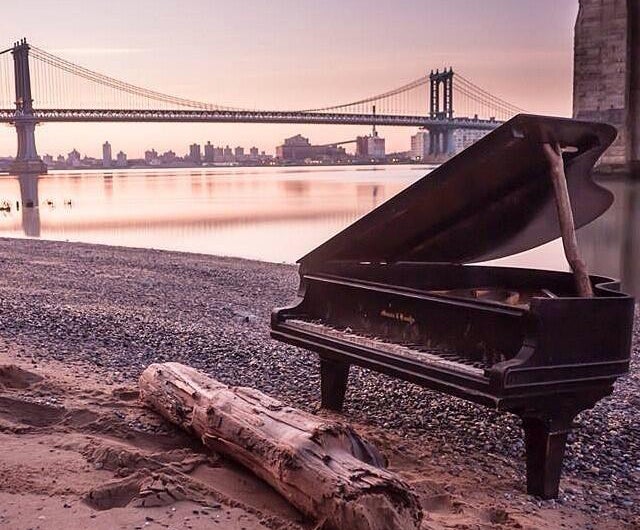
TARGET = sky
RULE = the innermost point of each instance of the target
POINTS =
(292, 54)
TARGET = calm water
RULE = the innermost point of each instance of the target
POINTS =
(271, 214)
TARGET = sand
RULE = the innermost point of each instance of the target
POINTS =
(77, 449)
(79, 453)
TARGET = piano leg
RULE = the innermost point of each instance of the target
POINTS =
(333, 382)
(545, 441)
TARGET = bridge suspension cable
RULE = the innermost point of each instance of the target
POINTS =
(62, 84)
(52, 81)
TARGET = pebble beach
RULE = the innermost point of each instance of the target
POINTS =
(113, 311)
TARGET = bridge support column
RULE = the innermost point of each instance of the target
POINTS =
(27, 159)
(448, 147)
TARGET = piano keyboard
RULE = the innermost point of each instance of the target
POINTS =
(438, 357)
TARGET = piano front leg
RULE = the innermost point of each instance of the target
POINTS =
(546, 428)
(545, 436)
(334, 376)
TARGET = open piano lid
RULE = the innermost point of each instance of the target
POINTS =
(492, 200)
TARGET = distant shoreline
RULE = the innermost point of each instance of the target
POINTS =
(230, 166)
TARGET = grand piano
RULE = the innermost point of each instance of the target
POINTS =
(397, 291)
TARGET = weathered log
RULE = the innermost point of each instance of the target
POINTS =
(322, 467)
(553, 153)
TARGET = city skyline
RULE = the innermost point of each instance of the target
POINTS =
(279, 58)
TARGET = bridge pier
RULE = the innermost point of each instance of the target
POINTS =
(606, 84)
(27, 159)
(441, 144)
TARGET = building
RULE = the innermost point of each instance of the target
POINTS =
(362, 147)
(419, 146)
(195, 154)
(107, 159)
(168, 157)
(121, 159)
(376, 146)
(73, 158)
(209, 153)
(463, 138)
(370, 147)
(218, 154)
(606, 79)
(227, 154)
(47, 160)
(254, 153)
(239, 154)
(151, 156)
(299, 149)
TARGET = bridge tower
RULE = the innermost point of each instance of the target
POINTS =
(606, 83)
(27, 159)
(441, 108)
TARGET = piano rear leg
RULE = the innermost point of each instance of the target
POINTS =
(333, 382)
(545, 442)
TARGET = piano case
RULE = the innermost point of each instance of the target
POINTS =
(397, 291)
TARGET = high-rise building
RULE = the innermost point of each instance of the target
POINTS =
(73, 158)
(121, 159)
(195, 155)
(151, 156)
(253, 153)
(420, 145)
(107, 159)
(227, 154)
(239, 154)
(209, 153)
(218, 154)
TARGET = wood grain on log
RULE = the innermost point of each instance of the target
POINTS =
(322, 467)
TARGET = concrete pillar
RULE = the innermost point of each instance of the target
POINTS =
(607, 76)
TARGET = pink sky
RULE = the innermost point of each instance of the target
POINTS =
(295, 54)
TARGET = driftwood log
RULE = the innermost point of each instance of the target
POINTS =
(553, 153)
(322, 467)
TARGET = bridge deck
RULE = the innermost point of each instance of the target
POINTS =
(233, 116)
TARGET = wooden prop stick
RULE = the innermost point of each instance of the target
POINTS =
(553, 154)
(321, 466)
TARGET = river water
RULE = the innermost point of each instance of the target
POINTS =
(272, 214)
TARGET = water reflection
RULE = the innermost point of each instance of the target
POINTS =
(611, 244)
(270, 214)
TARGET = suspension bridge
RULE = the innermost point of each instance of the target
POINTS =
(39, 87)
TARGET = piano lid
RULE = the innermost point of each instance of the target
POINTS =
(492, 200)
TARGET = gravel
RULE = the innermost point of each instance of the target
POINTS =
(122, 309)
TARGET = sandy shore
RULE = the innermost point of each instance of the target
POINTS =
(79, 322)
